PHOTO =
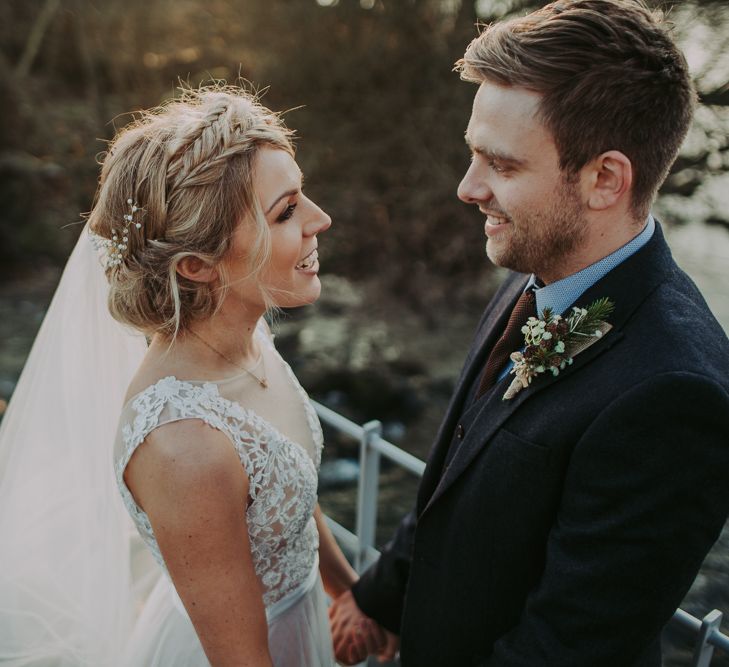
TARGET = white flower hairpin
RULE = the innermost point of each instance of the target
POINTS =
(118, 244)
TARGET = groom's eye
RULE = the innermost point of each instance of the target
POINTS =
(496, 166)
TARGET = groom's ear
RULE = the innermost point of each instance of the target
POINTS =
(609, 180)
(193, 268)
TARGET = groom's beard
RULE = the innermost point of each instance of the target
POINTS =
(539, 240)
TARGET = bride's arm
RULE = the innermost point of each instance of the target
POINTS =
(338, 576)
(189, 480)
(336, 573)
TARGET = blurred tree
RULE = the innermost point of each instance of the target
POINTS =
(373, 97)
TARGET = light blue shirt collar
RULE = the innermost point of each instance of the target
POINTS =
(560, 295)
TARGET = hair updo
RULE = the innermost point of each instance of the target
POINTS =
(188, 167)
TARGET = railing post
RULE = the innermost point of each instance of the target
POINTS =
(704, 651)
(367, 489)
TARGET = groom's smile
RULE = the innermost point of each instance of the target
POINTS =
(493, 221)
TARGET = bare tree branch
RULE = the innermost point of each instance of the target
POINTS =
(36, 37)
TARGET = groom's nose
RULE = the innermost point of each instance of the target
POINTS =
(473, 188)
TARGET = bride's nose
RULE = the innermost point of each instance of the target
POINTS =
(318, 221)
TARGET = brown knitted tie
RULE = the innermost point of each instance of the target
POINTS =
(511, 340)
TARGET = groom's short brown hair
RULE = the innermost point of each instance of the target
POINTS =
(611, 78)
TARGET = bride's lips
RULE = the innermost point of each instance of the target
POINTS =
(309, 263)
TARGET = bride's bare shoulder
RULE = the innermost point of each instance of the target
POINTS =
(159, 362)
(182, 459)
(142, 380)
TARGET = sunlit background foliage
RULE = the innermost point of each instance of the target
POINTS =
(379, 112)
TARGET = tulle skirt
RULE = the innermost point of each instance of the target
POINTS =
(298, 630)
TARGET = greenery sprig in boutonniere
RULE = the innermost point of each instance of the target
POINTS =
(552, 342)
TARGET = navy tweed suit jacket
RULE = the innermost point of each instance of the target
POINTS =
(572, 519)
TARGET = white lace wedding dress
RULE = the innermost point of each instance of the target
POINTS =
(279, 444)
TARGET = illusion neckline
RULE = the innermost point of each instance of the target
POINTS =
(317, 434)
(237, 376)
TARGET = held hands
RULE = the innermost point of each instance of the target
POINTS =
(356, 635)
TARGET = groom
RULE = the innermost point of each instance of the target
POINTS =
(562, 526)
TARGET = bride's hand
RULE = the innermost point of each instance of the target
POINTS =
(391, 647)
(356, 635)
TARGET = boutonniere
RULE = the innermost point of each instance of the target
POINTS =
(552, 342)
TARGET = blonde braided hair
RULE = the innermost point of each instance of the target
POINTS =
(188, 166)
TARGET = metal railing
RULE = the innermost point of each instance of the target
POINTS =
(360, 545)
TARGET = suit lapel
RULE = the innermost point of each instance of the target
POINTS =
(494, 411)
(628, 285)
(492, 324)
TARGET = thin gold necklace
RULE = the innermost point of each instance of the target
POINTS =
(261, 380)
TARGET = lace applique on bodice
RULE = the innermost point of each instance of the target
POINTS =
(282, 474)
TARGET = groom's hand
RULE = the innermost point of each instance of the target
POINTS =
(356, 635)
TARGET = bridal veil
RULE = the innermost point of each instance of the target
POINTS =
(66, 594)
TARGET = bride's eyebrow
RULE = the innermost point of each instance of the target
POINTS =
(285, 195)
(288, 193)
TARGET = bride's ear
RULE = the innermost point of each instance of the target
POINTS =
(193, 268)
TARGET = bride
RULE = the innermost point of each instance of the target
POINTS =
(202, 227)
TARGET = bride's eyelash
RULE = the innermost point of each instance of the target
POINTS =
(287, 213)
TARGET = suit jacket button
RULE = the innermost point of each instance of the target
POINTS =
(460, 431)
